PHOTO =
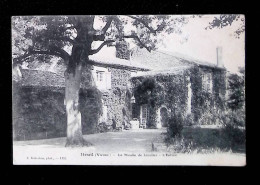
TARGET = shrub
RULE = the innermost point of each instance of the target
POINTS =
(175, 126)
(234, 129)
(181, 145)
(90, 108)
(234, 135)
(239, 117)
(103, 127)
(189, 120)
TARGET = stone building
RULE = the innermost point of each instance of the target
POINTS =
(194, 88)
(121, 76)
(109, 75)
(112, 77)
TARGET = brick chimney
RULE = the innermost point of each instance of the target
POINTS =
(219, 57)
(122, 50)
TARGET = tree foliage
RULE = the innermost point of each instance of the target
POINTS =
(48, 36)
(60, 36)
(236, 99)
(227, 20)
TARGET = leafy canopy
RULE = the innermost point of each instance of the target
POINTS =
(74, 38)
(59, 36)
(227, 20)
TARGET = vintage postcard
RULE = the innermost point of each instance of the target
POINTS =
(129, 90)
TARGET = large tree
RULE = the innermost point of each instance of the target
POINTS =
(71, 38)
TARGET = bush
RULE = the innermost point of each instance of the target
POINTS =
(234, 128)
(180, 145)
(189, 120)
(235, 136)
(103, 127)
(175, 126)
(90, 108)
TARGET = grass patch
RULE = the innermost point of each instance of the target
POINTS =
(204, 140)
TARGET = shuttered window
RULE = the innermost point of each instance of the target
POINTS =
(108, 80)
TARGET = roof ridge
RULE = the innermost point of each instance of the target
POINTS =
(28, 69)
(189, 59)
(183, 57)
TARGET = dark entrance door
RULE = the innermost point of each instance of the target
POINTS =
(164, 116)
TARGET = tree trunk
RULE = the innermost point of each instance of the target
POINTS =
(74, 128)
(79, 55)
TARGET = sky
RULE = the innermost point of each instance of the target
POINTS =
(201, 44)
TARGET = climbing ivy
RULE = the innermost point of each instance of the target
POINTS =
(207, 105)
(90, 108)
(41, 110)
(171, 90)
(168, 90)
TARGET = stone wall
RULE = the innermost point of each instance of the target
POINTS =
(119, 78)
(122, 50)
(118, 98)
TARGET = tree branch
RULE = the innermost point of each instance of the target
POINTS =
(104, 30)
(138, 40)
(33, 52)
(144, 23)
(63, 39)
(63, 54)
(100, 47)
(20, 58)
(101, 36)
(41, 52)
(70, 27)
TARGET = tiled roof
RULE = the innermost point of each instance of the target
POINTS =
(164, 60)
(47, 78)
(189, 59)
(41, 78)
(143, 62)
(117, 63)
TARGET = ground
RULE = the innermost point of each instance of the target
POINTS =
(128, 143)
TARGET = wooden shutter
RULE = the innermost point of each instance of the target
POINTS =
(108, 80)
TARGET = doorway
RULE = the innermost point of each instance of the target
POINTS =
(164, 116)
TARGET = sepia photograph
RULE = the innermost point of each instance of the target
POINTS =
(129, 90)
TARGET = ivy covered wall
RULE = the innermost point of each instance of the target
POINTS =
(207, 105)
(165, 90)
(171, 91)
(118, 98)
(39, 113)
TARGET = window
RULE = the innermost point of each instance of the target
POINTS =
(100, 76)
(207, 82)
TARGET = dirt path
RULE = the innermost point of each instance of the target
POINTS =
(125, 141)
